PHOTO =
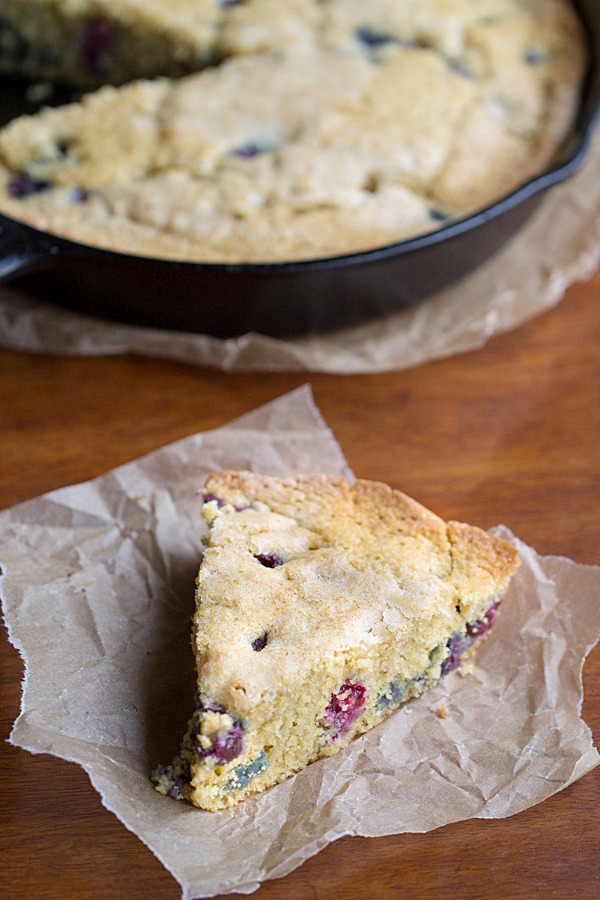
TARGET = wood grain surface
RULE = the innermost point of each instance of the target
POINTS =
(509, 433)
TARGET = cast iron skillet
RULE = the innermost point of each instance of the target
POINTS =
(282, 298)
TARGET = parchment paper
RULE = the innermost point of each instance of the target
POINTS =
(98, 590)
(558, 246)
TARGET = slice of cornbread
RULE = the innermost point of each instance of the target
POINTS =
(321, 607)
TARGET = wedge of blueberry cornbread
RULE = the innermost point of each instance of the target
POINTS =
(321, 129)
(321, 607)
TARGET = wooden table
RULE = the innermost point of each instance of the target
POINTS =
(510, 433)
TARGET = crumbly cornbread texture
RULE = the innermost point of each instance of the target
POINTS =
(321, 607)
(326, 128)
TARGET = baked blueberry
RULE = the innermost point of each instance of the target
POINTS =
(23, 186)
(371, 37)
(270, 560)
(251, 149)
(260, 642)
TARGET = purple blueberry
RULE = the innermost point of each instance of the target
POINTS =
(209, 497)
(438, 215)
(260, 642)
(372, 38)
(535, 56)
(226, 744)
(211, 706)
(457, 645)
(23, 186)
(476, 629)
(176, 781)
(247, 151)
(80, 195)
(270, 560)
(396, 691)
(346, 706)
(460, 69)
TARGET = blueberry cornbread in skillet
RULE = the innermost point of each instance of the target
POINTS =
(317, 130)
(321, 607)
